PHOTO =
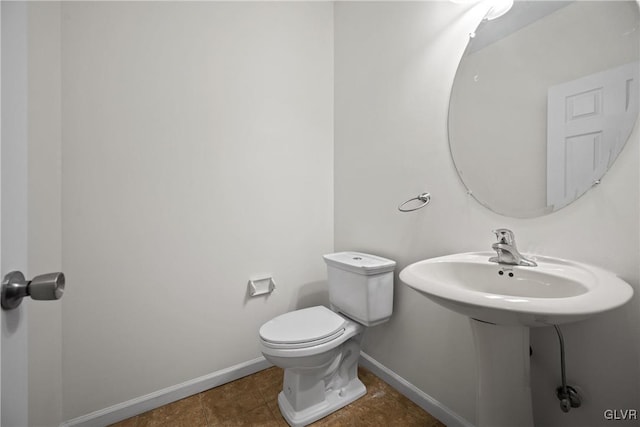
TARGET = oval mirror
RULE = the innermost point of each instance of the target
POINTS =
(543, 101)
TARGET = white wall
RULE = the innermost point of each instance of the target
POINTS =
(394, 67)
(197, 151)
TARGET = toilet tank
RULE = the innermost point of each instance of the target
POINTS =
(361, 286)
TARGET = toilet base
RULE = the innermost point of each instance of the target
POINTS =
(334, 400)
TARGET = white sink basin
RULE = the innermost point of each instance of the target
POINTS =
(556, 291)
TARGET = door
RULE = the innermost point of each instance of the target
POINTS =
(13, 208)
(588, 122)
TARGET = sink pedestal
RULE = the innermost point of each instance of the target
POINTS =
(504, 383)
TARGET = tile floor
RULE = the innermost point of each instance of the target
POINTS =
(252, 401)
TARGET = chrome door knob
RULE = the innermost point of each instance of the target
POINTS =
(48, 286)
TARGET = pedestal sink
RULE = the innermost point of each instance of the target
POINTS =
(503, 301)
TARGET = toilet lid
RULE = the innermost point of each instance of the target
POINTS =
(302, 326)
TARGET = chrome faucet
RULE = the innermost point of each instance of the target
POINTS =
(507, 251)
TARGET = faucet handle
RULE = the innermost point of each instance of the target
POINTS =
(504, 235)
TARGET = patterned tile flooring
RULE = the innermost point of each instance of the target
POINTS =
(252, 401)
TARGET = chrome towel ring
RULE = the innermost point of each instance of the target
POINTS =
(424, 198)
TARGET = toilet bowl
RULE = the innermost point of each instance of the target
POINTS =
(320, 368)
(319, 348)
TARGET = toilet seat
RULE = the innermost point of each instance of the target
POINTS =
(303, 328)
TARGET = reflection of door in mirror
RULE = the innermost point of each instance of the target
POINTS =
(587, 119)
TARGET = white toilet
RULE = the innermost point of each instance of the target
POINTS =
(319, 348)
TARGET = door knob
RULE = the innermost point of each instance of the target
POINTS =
(48, 286)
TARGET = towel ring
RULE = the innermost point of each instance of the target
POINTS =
(425, 198)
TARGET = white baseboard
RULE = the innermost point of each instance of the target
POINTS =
(137, 406)
(413, 393)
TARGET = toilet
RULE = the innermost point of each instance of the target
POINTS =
(319, 348)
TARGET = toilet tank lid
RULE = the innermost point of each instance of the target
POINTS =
(360, 263)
